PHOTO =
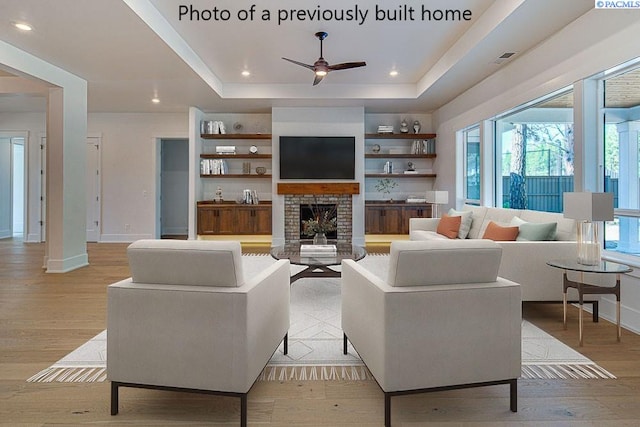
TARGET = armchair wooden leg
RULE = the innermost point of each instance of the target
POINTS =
(243, 410)
(286, 343)
(387, 410)
(344, 343)
(513, 388)
(114, 398)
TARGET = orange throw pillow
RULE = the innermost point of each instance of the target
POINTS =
(449, 225)
(499, 233)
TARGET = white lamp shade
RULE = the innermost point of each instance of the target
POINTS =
(587, 206)
(438, 197)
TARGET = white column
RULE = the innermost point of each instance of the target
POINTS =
(66, 247)
(66, 175)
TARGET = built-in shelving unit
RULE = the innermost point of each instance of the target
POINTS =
(385, 154)
(264, 159)
(235, 136)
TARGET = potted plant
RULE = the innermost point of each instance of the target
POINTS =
(322, 221)
(385, 185)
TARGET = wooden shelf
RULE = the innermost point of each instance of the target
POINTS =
(399, 135)
(236, 136)
(399, 156)
(235, 156)
(319, 188)
(236, 175)
(400, 175)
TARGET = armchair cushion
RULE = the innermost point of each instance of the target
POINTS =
(186, 262)
(443, 262)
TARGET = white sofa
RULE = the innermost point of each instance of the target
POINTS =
(189, 319)
(441, 319)
(523, 262)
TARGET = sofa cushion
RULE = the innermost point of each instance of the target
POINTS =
(443, 262)
(426, 235)
(477, 218)
(448, 226)
(566, 229)
(186, 262)
(501, 216)
(535, 231)
(499, 233)
(465, 224)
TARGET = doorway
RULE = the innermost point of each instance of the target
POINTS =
(12, 187)
(174, 188)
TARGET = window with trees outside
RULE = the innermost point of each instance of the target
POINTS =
(621, 159)
(534, 150)
(471, 139)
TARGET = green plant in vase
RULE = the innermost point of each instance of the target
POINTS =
(385, 185)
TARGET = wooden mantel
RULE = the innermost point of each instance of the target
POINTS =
(319, 188)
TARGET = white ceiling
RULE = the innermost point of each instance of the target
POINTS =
(132, 50)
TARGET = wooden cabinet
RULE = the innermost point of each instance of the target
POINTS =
(392, 218)
(383, 219)
(228, 218)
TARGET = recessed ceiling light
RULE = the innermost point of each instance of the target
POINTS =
(246, 73)
(155, 100)
(393, 73)
(22, 26)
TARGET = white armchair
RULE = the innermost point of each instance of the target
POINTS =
(189, 320)
(442, 319)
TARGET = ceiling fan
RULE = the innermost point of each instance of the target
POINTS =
(321, 67)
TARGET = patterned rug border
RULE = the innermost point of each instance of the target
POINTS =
(330, 373)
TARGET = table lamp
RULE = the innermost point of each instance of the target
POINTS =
(437, 198)
(588, 209)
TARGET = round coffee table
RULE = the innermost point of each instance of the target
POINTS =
(317, 266)
(604, 267)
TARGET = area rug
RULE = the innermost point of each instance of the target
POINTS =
(315, 342)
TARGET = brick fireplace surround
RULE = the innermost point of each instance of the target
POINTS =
(309, 194)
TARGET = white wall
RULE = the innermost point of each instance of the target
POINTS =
(129, 144)
(595, 42)
(344, 121)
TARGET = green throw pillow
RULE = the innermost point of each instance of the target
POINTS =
(534, 231)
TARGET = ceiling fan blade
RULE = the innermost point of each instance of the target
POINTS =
(347, 65)
(317, 79)
(302, 64)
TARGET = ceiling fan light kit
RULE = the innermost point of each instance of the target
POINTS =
(321, 67)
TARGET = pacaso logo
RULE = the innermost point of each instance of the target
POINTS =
(617, 4)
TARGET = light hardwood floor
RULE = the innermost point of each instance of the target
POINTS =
(45, 316)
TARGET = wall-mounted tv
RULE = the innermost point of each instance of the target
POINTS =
(317, 157)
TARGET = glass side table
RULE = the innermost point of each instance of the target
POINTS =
(605, 267)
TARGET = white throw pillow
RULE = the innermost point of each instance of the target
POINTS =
(465, 223)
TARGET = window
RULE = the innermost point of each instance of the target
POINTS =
(621, 159)
(471, 138)
(534, 149)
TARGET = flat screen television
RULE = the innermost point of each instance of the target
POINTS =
(317, 157)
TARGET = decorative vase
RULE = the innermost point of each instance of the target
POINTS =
(320, 239)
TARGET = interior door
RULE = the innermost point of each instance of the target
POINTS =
(93, 189)
(6, 201)
(174, 188)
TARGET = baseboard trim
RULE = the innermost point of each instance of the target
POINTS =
(67, 264)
